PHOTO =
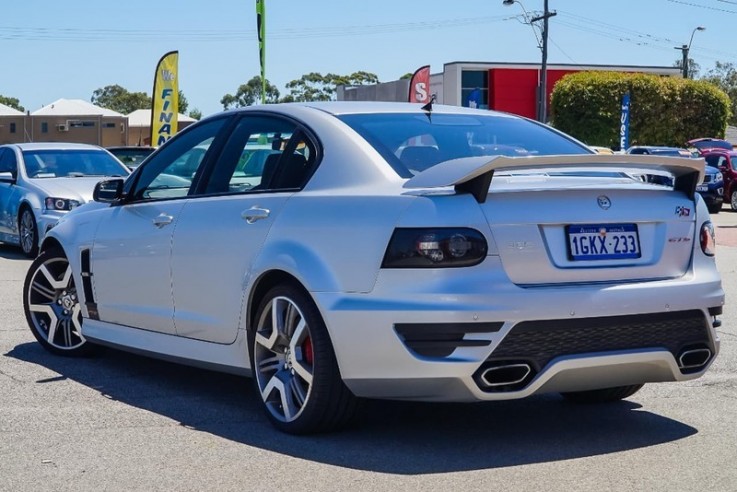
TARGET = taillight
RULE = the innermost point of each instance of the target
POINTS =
(708, 241)
(435, 248)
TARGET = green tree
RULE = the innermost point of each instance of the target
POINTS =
(249, 94)
(664, 110)
(724, 76)
(12, 102)
(407, 75)
(196, 114)
(314, 86)
(120, 99)
(124, 101)
(183, 103)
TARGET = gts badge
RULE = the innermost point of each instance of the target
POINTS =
(683, 211)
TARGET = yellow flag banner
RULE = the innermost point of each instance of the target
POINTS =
(165, 99)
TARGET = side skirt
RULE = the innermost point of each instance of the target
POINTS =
(233, 358)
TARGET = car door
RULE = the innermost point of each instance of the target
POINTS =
(9, 194)
(131, 254)
(220, 232)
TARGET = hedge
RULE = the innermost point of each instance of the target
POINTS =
(663, 110)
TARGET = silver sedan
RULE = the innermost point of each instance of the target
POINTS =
(341, 251)
(40, 182)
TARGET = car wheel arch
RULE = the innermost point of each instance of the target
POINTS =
(261, 286)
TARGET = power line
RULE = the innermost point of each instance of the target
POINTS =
(14, 33)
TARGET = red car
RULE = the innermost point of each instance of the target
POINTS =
(705, 145)
(726, 162)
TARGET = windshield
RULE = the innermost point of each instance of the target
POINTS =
(131, 157)
(74, 163)
(412, 143)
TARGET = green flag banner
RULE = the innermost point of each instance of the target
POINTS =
(261, 26)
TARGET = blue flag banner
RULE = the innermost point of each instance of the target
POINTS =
(624, 123)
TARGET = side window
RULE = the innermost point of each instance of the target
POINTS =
(264, 153)
(170, 173)
(8, 162)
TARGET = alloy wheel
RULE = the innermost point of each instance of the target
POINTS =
(53, 305)
(733, 201)
(283, 359)
(27, 231)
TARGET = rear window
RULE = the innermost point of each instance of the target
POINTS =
(412, 143)
(71, 163)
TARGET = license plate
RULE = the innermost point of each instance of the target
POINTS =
(603, 242)
(702, 188)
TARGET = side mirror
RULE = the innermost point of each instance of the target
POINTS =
(108, 191)
(7, 177)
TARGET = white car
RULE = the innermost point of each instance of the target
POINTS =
(40, 182)
(383, 251)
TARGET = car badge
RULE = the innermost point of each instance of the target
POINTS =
(604, 202)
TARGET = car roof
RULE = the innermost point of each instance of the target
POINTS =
(367, 107)
(130, 147)
(55, 146)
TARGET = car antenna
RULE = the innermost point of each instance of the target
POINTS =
(428, 107)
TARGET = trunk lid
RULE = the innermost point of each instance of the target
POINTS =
(557, 220)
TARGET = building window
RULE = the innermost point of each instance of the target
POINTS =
(44, 127)
(475, 88)
(12, 128)
(81, 124)
(108, 125)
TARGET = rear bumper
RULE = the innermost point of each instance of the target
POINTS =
(376, 361)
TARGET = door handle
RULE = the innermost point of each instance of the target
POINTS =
(253, 214)
(163, 220)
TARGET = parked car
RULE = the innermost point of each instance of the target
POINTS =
(41, 182)
(711, 189)
(704, 145)
(726, 162)
(131, 156)
(376, 255)
(601, 150)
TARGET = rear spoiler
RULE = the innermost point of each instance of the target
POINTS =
(473, 174)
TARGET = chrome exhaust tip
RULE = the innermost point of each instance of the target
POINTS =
(507, 375)
(694, 358)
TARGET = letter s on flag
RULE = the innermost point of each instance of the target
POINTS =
(419, 85)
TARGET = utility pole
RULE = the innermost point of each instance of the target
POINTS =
(685, 49)
(542, 98)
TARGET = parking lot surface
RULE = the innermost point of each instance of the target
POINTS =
(123, 422)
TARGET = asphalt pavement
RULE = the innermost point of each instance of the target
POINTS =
(123, 422)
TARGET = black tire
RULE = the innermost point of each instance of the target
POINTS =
(733, 201)
(715, 209)
(326, 403)
(605, 395)
(43, 298)
(28, 232)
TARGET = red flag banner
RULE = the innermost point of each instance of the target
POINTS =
(419, 85)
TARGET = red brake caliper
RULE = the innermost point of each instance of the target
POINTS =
(307, 350)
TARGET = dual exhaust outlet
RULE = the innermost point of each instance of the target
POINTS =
(510, 376)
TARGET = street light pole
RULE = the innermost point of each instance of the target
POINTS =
(685, 49)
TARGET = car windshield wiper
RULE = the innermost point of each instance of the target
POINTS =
(76, 174)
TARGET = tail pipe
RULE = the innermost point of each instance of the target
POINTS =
(693, 359)
(508, 375)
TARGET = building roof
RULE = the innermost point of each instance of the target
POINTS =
(142, 118)
(8, 111)
(74, 107)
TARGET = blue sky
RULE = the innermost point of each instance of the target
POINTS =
(51, 49)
